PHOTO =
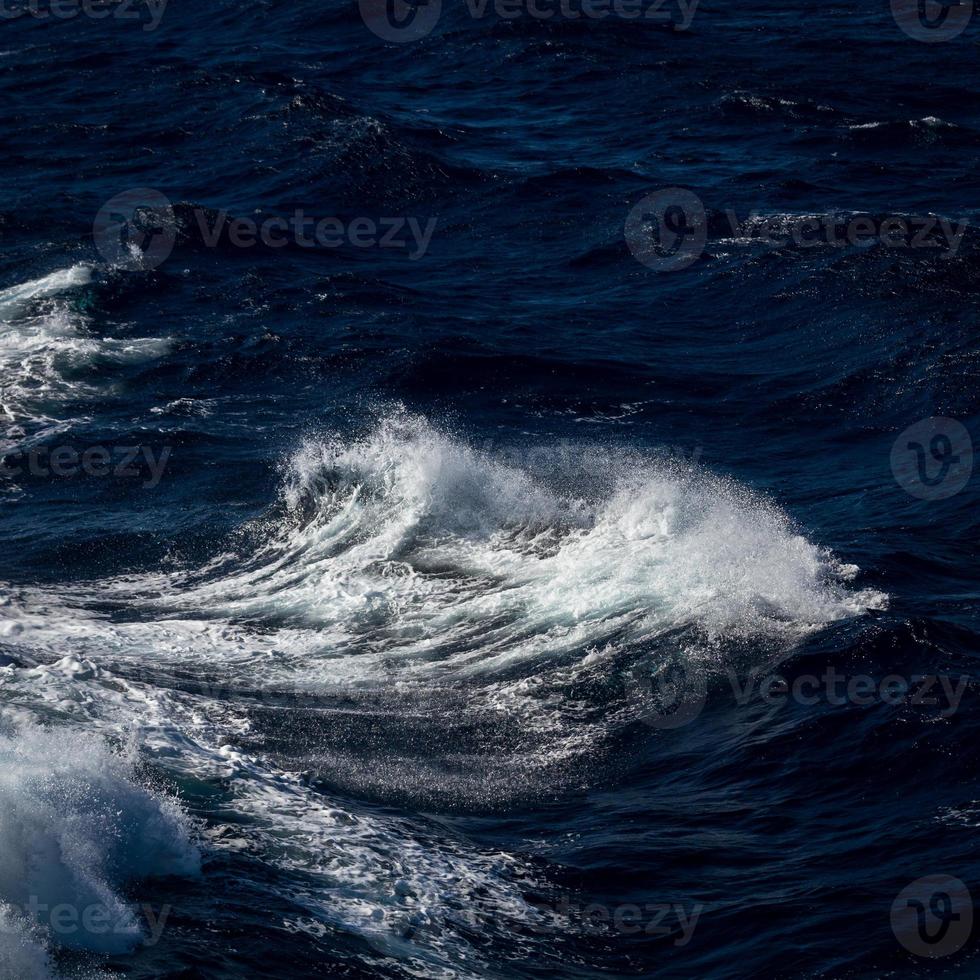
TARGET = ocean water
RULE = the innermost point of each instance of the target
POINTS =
(550, 551)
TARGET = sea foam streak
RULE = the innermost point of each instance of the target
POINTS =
(374, 876)
(46, 347)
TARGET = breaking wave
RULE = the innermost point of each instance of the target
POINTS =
(47, 351)
(408, 564)
(477, 609)
(75, 826)
(410, 549)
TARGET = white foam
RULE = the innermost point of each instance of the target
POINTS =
(367, 874)
(413, 537)
(23, 951)
(46, 343)
(400, 562)
(14, 301)
(930, 122)
(411, 551)
(74, 827)
(407, 560)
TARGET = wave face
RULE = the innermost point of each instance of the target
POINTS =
(491, 586)
(402, 574)
(411, 542)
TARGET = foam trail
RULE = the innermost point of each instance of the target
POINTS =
(15, 301)
(366, 874)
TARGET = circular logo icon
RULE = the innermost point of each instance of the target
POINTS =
(672, 694)
(933, 459)
(932, 20)
(933, 916)
(136, 230)
(400, 21)
(667, 230)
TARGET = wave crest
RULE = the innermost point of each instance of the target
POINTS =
(433, 537)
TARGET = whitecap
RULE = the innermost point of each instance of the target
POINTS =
(47, 346)
(74, 827)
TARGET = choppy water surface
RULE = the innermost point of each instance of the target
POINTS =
(492, 504)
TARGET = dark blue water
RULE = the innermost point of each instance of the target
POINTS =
(443, 589)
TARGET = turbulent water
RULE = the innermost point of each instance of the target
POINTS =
(413, 612)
